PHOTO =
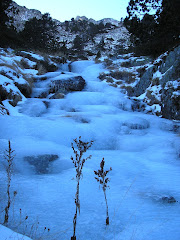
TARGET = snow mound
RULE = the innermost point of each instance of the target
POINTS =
(33, 108)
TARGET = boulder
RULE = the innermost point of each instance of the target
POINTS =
(25, 89)
(67, 85)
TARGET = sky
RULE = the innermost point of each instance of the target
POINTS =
(65, 10)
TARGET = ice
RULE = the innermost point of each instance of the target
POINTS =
(143, 151)
(80, 66)
(33, 108)
(136, 123)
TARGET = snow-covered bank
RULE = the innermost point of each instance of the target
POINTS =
(143, 151)
(9, 234)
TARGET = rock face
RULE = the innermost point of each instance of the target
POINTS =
(153, 85)
(160, 83)
(144, 82)
(67, 85)
(171, 100)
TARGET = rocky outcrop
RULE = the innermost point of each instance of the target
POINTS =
(166, 75)
(144, 82)
(155, 84)
(67, 85)
(171, 100)
(13, 96)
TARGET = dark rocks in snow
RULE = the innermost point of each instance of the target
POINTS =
(138, 105)
(168, 199)
(41, 163)
(3, 110)
(67, 85)
(25, 89)
(44, 66)
(13, 96)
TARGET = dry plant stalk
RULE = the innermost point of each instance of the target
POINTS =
(8, 156)
(78, 162)
(103, 180)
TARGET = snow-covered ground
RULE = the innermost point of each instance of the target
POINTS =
(143, 151)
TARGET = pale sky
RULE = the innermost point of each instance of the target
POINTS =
(67, 9)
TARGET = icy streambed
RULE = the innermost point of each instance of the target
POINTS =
(141, 149)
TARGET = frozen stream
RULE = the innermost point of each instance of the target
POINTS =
(143, 151)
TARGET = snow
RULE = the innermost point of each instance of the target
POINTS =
(143, 151)
(36, 56)
(157, 74)
(9, 234)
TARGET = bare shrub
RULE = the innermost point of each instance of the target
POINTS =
(103, 180)
(9, 156)
(78, 162)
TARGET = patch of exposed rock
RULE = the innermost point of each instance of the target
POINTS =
(66, 85)
(156, 84)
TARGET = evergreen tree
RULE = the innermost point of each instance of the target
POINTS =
(40, 33)
(155, 33)
(78, 43)
(8, 35)
(101, 44)
(4, 4)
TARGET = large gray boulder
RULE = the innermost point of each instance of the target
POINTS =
(66, 85)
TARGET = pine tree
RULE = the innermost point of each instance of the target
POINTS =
(154, 33)
(41, 33)
(7, 33)
(78, 43)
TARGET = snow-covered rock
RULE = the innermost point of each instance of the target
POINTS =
(156, 84)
